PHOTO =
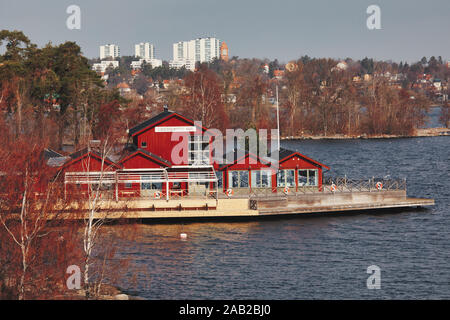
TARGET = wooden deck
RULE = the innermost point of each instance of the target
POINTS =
(229, 208)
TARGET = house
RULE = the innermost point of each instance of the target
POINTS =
(170, 155)
(124, 88)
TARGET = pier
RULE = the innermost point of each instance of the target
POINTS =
(319, 203)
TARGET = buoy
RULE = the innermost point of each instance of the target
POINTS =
(286, 190)
(183, 235)
(333, 187)
(379, 185)
(157, 195)
(230, 192)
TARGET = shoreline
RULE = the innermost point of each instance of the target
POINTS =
(428, 132)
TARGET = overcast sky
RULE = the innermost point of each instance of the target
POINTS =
(282, 29)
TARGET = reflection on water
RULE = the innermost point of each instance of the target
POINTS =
(316, 256)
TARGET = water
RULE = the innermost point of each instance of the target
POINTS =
(316, 257)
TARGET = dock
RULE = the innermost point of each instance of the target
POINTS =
(255, 208)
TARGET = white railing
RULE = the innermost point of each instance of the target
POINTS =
(176, 174)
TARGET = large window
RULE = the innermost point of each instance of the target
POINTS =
(198, 150)
(238, 179)
(261, 179)
(286, 178)
(308, 177)
(151, 186)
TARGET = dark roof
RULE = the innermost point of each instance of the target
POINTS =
(132, 149)
(284, 153)
(78, 153)
(150, 121)
(57, 161)
(49, 153)
(85, 151)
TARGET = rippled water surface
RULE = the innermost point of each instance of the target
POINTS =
(315, 257)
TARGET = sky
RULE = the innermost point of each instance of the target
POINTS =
(282, 29)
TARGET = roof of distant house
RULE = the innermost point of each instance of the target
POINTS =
(123, 85)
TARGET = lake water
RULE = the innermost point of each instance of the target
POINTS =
(314, 257)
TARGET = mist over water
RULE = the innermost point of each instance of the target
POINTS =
(318, 256)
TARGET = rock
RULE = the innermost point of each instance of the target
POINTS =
(121, 297)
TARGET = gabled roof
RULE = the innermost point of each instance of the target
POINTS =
(286, 154)
(165, 115)
(236, 159)
(78, 155)
(147, 154)
(49, 153)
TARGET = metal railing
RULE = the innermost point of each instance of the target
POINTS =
(330, 185)
(344, 184)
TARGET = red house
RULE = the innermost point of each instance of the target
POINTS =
(170, 155)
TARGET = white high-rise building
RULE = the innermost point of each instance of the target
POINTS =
(109, 51)
(188, 53)
(144, 50)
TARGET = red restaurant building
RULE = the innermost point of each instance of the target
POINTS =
(155, 164)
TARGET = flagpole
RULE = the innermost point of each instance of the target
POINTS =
(278, 120)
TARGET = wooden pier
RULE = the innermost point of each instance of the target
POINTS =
(254, 208)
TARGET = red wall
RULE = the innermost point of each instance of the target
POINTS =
(90, 164)
(160, 143)
(246, 165)
(136, 161)
(295, 162)
(139, 161)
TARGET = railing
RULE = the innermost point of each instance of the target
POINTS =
(344, 184)
(330, 185)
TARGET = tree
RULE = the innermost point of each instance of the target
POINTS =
(295, 84)
(204, 101)
(31, 204)
(445, 115)
(13, 70)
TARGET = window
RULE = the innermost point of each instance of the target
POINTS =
(151, 186)
(286, 178)
(128, 185)
(261, 179)
(143, 144)
(238, 179)
(308, 177)
(198, 150)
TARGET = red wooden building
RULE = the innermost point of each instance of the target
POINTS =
(169, 155)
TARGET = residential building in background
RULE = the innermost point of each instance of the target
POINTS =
(188, 53)
(224, 51)
(136, 65)
(144, 50)
(109, 51)
(103, 65)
